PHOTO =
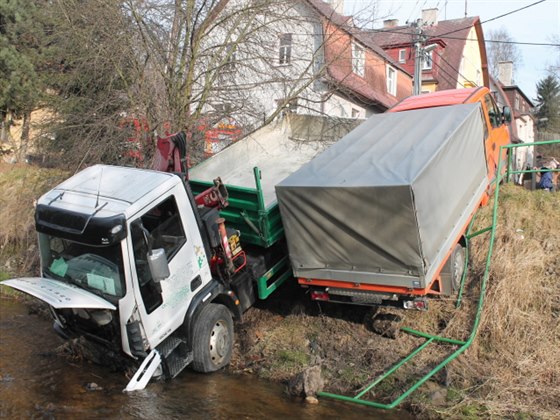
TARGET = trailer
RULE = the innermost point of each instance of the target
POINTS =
(379, 218)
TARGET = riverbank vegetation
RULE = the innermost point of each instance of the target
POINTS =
(511, 370)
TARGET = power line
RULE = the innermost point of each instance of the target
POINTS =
(444, 36)
(544, 44)
(404, 30)
(495, 18)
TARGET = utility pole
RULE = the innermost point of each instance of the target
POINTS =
(418, 54)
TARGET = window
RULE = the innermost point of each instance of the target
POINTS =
(493, 111)
(290, 106)
(516, 102)
(95, 268)
(285, 53)
(160, 227)
(402, 56)
(391, 80)
(224, 108)
(427, 61)
(358, 59)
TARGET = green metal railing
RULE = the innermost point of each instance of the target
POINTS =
(430, 338)
(527, 171)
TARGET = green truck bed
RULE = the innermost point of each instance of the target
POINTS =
(247, 212)
(250, 170)
(253, 166)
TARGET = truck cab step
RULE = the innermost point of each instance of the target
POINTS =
(175, 356)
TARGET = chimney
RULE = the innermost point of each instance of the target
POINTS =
(337, 5)
(390, 23)
(505, 72)
(430, 16)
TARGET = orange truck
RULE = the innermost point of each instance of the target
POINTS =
(496, 132)
(380, 217)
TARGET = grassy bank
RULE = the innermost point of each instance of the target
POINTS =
(20, 187)
(511, 370)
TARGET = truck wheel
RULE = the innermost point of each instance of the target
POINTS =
(212, 338)
(456, 266)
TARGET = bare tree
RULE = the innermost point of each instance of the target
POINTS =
(205, 60)
(181, 64)
(501, 47)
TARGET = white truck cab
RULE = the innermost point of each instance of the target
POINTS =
(126, 262)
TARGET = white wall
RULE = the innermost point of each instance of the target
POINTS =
(258, 81)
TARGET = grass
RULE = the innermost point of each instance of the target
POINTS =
(20, 187)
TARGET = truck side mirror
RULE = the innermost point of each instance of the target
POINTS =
(506, 114)
(159, 268)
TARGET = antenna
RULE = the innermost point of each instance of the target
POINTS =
(99, 187)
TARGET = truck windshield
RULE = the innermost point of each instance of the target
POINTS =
(98, 269)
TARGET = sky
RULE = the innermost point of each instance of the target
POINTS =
(536, 24)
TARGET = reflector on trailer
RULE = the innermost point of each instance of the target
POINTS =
(319, 295)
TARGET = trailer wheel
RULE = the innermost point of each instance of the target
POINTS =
(212, 338)
(457, 266)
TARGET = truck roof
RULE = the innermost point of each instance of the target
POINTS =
(117, 188)
(440, 98)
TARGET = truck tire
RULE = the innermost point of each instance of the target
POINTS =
(456, 266)
(212, 338)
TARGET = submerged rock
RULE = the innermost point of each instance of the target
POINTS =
(92, 386)
(307, 383)
(311, 400)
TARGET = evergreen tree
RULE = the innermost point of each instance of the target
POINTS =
(548, 103)
(19, 82)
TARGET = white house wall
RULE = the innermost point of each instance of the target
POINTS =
(258, 81)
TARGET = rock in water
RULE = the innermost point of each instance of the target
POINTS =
(307, 383)
(311, 400)
(92, 386)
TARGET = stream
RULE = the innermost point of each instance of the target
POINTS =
(36, 383)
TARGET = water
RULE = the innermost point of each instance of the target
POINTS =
(36, 383)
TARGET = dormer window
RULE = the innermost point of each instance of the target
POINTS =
(358, 59)
(391, 80)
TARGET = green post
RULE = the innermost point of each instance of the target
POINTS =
(263, 222)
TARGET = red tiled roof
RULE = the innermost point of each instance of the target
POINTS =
(345, 23)
(347, 79)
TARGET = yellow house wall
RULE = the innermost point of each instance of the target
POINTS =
(429, 87)
(471, 65)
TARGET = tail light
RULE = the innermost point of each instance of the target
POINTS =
(319, 295)
(419, 304)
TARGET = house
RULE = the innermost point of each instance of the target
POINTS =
(307, 57)
(362, 78)
(523, 124)
(458, 55)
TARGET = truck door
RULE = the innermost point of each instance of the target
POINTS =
(169, 224)
(498, 135)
